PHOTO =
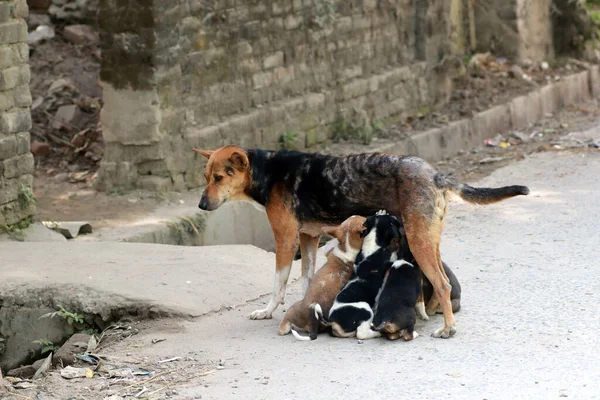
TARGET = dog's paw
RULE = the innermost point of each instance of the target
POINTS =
(444, 332)
(430, 312)
(261, 314)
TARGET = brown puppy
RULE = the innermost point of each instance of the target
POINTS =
(327, 282)
(302, 192)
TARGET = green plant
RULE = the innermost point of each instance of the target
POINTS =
(358, 127)
(15, 231)
(47, 345)
(70, 317)
(25, 197)
(288, 139)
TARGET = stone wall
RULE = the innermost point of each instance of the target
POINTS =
(203, 73)
(16, 161)
(518, 29)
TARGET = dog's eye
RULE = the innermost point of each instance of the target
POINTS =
(218, 178)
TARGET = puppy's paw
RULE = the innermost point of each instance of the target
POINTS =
(444, 332)
(421, 313)
(261, 314)
(284, 328)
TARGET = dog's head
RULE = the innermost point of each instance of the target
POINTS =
(382, 231)
(349, 237)
(227, 174)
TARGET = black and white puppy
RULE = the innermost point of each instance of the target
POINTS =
(352, 310)
(395, 314)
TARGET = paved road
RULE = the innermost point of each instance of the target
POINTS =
(528, 328)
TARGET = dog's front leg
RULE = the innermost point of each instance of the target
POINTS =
(286, 232)
(308, 248)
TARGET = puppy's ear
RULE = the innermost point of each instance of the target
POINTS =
(205, 153)
(331, 231)
(239, 160)
(367, 227)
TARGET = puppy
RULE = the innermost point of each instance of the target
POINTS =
(455, 293)
(395, 314)
(327, 281)
(351, 313)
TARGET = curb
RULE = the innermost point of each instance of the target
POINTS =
(439, 143)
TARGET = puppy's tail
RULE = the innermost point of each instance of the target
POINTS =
(479, 195)
(300, 337)
(318, 314)
(315, 320)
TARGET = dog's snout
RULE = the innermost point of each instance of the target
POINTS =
(203, 203)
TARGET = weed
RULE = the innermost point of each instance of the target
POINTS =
(359, 127)
(15, 231)
(288, 139)
(70, 317)
(47, 345)
(25, 197)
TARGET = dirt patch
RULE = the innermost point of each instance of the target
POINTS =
(66, 133)
(487, 82)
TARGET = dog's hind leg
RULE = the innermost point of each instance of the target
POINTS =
(424, 236)
(308, 248)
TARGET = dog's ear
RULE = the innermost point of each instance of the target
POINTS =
(205, 153)
(239, 160)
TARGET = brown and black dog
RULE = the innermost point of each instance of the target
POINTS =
(302, 192)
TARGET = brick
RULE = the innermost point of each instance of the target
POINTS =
(10, 78)
(23, 142)
(21, 9)
(5, 11)
(13, 32)
(273, 60)
(9, 190)
(18, 165)
(291, 22)
(22, 96)
(17, 120)
(6, 100)
(8, 147)
(262, 79)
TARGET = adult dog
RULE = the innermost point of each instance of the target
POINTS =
(302, 192)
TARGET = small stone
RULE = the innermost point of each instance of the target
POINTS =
(220, 367)
(79, 34)
(42, 32)
(360, 341)
(36, 20)
(516, 72)
(75, 345)
(66, 115)
(40, 149)
(24, 372)
(544, 65)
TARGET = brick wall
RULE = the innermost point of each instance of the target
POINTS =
(16, 161)
(197, 73)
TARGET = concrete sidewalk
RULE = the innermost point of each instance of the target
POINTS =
(101, 276)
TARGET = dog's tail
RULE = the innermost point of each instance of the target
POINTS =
(479, 195)
(300, 337)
